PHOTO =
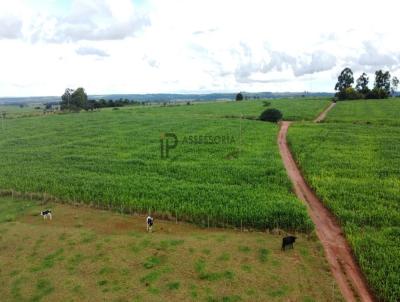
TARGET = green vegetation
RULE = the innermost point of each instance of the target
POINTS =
(292, 109)
(383, 86)
(271, 115)
(384, 112)
(239, 97)
(111, 159)
(355, 170)
(107, 269)
(14, 111)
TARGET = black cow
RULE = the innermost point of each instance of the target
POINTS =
(288, 241)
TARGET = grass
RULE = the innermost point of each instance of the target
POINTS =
(111, 159)
(292, 109)
(355, 170)
(15, 111)
(381, 112)
(182, 272)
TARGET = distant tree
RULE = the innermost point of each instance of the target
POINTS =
(239, 97)
(351, 94)
(66, 98)
(345, 80)
(90, 105)
(395, 85)
(74, 99)
(271, 115)
(362, 84)
(382, 82)
(376, 93)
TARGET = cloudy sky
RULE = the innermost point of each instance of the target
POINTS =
(143, 46)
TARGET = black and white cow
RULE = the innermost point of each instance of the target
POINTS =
(46, 214)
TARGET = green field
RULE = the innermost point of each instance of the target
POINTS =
(112, 159)
(292, 109)
(382, 112)
(91, 255)
(14, 111)
(355, 171)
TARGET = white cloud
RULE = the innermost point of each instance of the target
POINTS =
(175, 45)
(10, 28)
(91, 51)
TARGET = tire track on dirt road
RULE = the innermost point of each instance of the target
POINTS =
(344, 268)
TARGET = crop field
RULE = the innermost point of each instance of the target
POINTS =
(112, 159)
(292, 109)
(355, 170)
(85, 254)
(383, 112)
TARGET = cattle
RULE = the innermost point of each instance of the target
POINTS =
(288, 241)
(46, 214)
(149, 222)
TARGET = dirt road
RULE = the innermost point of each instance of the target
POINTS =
(343, 266)
(323, 114)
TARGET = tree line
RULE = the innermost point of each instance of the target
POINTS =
(384, 86)
(76, 100)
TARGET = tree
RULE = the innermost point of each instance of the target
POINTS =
(271, 115)
(74, 100)
(345, 79)
(66, 98)
(79, 98)
(382, 82)
(362, 84)
(239, 97)
(352, 94)
(395, 85)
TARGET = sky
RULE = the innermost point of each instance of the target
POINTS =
(192, 46)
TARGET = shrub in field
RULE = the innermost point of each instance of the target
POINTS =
(239, 97)
(271, 115)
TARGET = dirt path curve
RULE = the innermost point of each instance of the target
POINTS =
(323, 114)
(338, 253)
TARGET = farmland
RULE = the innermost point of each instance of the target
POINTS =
(92, 255)
(111, 159)
(380, 112)
(292, 109)
(355, 170)
(14, 111)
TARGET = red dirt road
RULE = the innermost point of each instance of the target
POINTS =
(338, 253)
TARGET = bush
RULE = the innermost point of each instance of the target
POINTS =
(239, 97)
(349, 94)
(266, 103)
(271, 115)
(377, 93)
